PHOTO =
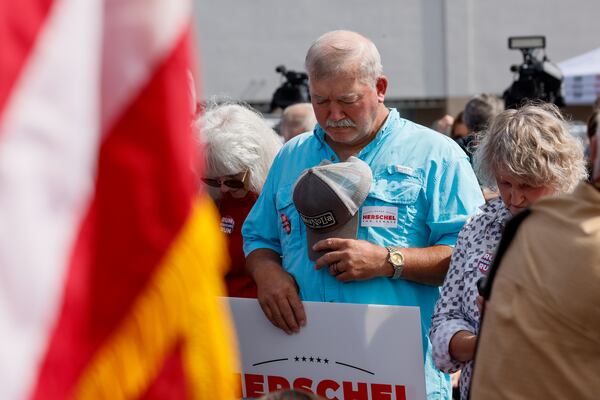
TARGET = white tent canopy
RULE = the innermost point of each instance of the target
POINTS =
(581, 83)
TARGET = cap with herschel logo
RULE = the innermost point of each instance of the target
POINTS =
(328, 198)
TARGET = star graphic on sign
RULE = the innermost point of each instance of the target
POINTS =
(326, 361)
(318, 360)
(312, 359)
(304, 359)
(297, 358)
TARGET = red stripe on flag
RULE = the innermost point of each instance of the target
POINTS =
(20, 23)
(144, 193)
(171, 381)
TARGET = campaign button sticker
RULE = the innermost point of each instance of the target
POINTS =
(227, 224)
(485, 262)
(379, 216)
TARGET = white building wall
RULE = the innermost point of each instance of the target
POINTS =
(430, 48)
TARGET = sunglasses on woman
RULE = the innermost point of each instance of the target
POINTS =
(230, 183)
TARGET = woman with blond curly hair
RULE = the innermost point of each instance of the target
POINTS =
(525, 154)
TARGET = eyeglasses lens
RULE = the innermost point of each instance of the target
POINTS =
(211, 182)
(230, 183)
(234, 183)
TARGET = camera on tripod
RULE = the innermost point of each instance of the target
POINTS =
(538, 78)
(293, 90)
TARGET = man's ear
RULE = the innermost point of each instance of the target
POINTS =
(381, 87)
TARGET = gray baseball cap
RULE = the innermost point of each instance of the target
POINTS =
(328, 198)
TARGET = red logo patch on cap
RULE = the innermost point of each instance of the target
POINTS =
(285, 223)
(485, 262)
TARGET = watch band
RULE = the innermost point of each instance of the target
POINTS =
(396, 258)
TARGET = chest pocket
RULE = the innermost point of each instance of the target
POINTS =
(399, 190)
(395, 186)
(290, 227)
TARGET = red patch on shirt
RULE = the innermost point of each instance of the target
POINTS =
(485, 262)
(285, 223)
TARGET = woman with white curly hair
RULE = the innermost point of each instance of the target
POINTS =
(238, 147)
(526, 154)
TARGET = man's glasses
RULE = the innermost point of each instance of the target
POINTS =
(230, 183)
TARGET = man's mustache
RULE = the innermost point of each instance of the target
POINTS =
(343, 123)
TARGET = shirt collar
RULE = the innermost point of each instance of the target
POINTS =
(385, 130)
(496, 211)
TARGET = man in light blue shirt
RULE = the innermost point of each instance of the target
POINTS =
(420, 177)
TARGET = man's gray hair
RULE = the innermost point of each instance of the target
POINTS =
(480, 110)
(534, 144)
(342, 51)
(236, 139)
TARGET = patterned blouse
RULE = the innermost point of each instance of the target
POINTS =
(456, 309)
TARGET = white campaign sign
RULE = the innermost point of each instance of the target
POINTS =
(357, 351)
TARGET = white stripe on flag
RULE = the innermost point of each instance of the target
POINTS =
(49, 140)
(138, 35)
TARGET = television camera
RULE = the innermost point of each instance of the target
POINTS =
(293, 90)
(537, 77)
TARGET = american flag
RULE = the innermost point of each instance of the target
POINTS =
(110, 261)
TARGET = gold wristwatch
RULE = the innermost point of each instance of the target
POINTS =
(396, 258)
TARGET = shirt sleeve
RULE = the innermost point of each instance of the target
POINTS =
(262, 225)
(448, 317)
(454, 195)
